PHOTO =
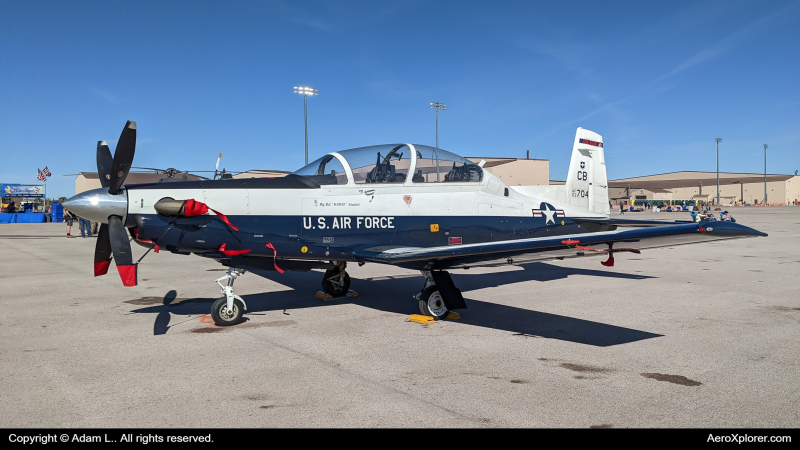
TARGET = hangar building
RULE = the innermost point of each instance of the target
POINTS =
(689, 185)
(517, 171)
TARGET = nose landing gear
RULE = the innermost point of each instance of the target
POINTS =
(228, 310)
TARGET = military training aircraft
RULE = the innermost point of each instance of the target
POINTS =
(412, 206)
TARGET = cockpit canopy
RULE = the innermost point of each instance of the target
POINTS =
(391, 163)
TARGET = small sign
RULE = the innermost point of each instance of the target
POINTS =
(407, 198)
(454, 240)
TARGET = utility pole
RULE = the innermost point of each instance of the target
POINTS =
(718, 141)
(765, 172)
(306, 91)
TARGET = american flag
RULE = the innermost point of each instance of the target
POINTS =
(41, 176)
(47, 172)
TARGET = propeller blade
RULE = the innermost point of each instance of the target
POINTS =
(104, 163)
(123, 157)
(217, 166)
(121, 247)
(102, 251)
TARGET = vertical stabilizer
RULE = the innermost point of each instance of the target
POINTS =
(587, 184)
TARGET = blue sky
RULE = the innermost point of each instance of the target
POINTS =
(659, 81)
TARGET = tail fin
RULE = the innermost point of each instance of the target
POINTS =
(587, 184)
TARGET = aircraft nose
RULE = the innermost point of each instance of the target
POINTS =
(97, 204)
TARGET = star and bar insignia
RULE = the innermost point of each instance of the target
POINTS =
(549, 212)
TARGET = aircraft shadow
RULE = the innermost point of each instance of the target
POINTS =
(394, 295)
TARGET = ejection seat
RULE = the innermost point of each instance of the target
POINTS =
(384, 172)
(466, 172)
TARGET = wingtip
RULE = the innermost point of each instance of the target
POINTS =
(131, 124)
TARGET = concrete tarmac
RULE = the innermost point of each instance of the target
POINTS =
(690, 336)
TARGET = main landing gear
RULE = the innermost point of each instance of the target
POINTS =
(336, 281)
(228, 310)
(439, 295)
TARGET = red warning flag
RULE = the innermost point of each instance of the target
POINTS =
(194, 208)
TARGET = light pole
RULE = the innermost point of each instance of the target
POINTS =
(437, 106)
(718, 141)
(765, 172)
(306, 91)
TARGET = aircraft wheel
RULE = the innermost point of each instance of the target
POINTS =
(219, 312)
(336, 289)
(432, 304)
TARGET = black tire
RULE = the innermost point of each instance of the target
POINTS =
(432, 304)
(332, 289)
(219, 312)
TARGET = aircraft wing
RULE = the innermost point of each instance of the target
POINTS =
(626, 222)
(552, 247)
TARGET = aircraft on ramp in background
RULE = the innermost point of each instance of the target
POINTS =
(412, 206)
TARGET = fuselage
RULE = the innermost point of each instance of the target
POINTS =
(305, 221)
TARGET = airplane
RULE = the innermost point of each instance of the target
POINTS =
(408, 205)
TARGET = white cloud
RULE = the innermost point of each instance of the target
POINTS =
(108, 96)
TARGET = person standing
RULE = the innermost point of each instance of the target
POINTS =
(69, 218)
(86, 227)
(621, 209)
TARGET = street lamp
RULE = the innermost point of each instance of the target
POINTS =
(718, 141)
(437, 106)
(765, 172)
(306, 91)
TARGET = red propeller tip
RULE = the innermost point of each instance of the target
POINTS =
(128, 274)
(101, 268)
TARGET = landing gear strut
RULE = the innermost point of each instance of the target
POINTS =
(430, 299)
(228, 310)
(336, 281)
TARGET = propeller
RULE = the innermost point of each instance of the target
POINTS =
(112, 237)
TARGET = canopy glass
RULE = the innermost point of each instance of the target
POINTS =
(391, 163)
